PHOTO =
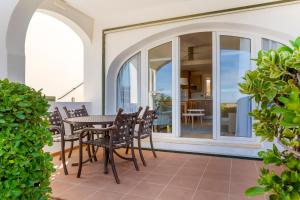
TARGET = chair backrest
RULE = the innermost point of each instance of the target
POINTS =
(79, 112)
(55, 119)
(125, 124)
(147, 121)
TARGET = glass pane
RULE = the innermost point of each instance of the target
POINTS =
(160, 86)
(127, 85)
(196, 85)
(270, 44)
(235, 54)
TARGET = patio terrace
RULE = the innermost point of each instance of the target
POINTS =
(172, 176)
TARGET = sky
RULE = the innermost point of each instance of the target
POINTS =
(54, 57)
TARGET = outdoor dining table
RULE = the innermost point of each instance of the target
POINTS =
(91, 120)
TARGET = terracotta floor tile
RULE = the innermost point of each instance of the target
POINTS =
(147, 189)
(244, 178)
(192, 172)
(206, 195)
(179, 173)
(243, 165)
(60, 187)
(77, 192)
(196, 164)
(237, 188)
(158, 178)
(134, 197)
(105, 195)
(166, 170)
(136, 175)
(186, 182)
(125, 186)
(218, 166)
(173, 162)
(216, 175)
(214, 185)
(98, 182)
(175, 193)
(243, 197)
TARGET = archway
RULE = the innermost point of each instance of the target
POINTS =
(18, 25)
(54, 58)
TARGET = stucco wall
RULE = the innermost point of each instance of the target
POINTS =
(6, 9)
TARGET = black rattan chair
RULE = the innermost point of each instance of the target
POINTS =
(119, 135)
(58, 130)
(145, 128)
(76, 129)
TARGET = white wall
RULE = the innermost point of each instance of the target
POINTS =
(6, 9)
(277, 23)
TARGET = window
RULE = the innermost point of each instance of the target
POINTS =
(128, 95)
(270, 44)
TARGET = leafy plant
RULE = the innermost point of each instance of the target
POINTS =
(275, 87)
(25, 168)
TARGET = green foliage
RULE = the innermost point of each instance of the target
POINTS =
(25, 169)
(275, 87)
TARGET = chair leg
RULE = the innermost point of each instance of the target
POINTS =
(80, 160)
(127, 150)
(106, 160)
(141, 152)
(71, 149)
(93, 150)
(113, 166)
(134, 158)
(63, 157)
(152, 148)
(89, 150)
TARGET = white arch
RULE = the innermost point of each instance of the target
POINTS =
(116, 64)
(18, 25)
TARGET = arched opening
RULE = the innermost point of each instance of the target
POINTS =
(54, 58)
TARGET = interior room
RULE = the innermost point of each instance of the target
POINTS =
(196, 85)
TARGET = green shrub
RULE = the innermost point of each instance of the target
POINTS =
(25, 169)
(275, 87)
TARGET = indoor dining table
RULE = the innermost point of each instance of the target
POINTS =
(91, 120)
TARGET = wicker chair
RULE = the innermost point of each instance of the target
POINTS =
(58, 130)
(119, 135)
(144, 131)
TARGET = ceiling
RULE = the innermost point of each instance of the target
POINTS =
(123, 12)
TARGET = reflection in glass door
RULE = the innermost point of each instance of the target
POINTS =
(235, 60)
(160, 86)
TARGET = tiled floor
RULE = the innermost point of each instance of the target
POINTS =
(171, 176)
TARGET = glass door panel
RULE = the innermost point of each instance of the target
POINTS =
(235, 60)
(196, 78)
(160, 85)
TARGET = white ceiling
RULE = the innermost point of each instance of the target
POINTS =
(111, 13)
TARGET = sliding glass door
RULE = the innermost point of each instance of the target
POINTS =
(160, 85)
(234, 60)
(193, 83)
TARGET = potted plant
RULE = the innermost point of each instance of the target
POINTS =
(275, 87)
(25, 169)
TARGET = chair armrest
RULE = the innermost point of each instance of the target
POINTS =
(55, 129)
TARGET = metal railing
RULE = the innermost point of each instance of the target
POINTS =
(70, 91)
